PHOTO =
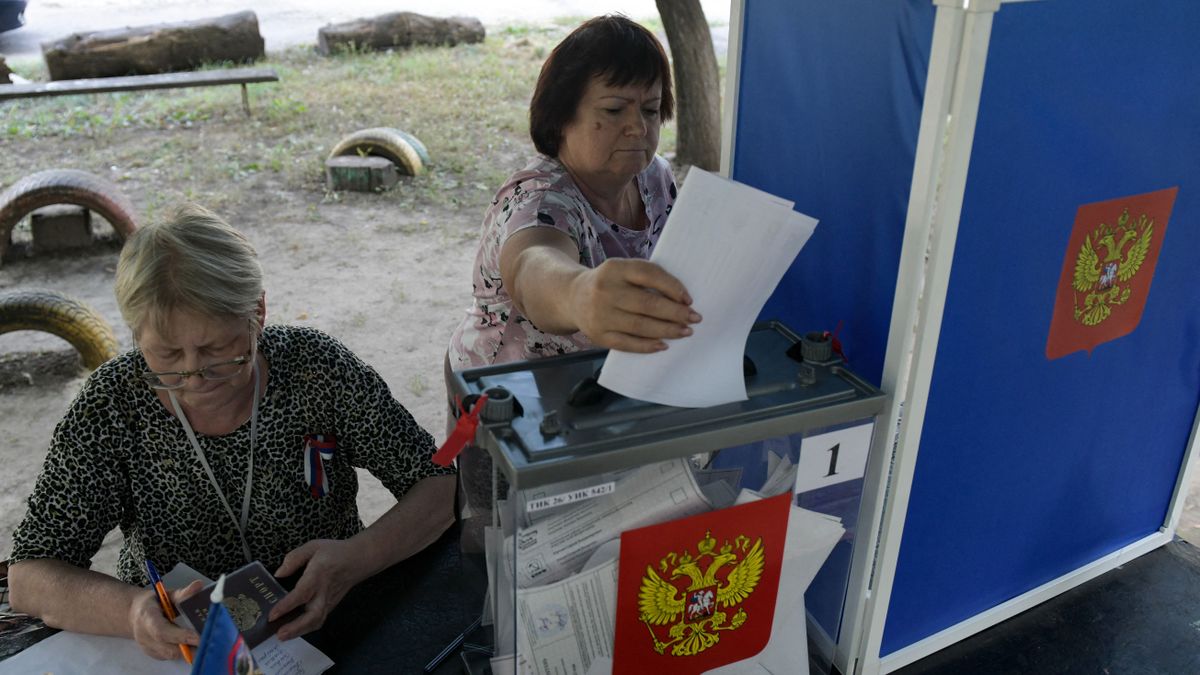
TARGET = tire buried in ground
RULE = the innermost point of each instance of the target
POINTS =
(404, 150)
(61, 315)
(64, 186)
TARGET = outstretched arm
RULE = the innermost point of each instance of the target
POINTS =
(626, 304)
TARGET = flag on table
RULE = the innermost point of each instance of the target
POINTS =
(222, 650)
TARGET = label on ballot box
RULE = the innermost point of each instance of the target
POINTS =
(833, 457)
(699, 592)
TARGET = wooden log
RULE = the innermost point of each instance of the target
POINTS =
(399, 30)
(159, 48)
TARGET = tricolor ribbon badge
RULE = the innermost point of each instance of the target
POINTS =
(318, 448)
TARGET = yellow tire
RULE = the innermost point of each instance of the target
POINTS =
(66, 317)
(404, 150)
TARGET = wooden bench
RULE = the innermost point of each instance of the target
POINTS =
(96, 85)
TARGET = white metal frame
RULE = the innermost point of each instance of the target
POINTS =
(733, 70)
(957, 57)
(961, 35)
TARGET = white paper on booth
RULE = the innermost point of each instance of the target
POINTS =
(729, 244)
(811, 537)
(567, 625)
(556, 547)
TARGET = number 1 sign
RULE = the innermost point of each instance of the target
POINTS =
(833, 457)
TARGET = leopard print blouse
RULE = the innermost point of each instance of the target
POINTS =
(119, 458)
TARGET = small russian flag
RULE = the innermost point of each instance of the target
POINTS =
(318, 447)
(222, 650)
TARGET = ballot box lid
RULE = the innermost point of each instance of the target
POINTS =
(547, 419)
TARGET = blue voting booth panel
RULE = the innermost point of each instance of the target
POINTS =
(1030, 468)
(828, 111)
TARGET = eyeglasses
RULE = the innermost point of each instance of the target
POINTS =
(217, 371)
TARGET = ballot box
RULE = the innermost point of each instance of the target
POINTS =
(627, 536)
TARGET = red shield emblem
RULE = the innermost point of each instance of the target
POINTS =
(1107, 270)
(699, 592)
(701, 603)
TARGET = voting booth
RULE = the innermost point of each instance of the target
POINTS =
(631, 536)
(1010, 225)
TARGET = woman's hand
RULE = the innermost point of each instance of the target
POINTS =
(623, 303)
(154, 633)
(330, 570)
(631, 305)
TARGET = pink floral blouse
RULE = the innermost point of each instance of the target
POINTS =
(543, 195)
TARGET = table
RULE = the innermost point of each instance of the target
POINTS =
(398, 620)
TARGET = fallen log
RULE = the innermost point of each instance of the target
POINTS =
(399, 30)
(159, 48)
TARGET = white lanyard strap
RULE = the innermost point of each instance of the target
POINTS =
(187, 428)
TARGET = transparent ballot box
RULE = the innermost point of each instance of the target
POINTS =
(625, 536)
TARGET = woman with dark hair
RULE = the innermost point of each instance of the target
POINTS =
(561, 263)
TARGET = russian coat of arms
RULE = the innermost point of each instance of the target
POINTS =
(694, 595)
(1102, 279)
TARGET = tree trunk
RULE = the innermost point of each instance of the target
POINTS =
(697, 83)
(399, 30)
(160, 48)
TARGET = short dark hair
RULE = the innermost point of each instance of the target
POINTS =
(611, 46)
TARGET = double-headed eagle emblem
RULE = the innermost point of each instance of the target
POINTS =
(697, 614)
(1102, 280)
(244, 611)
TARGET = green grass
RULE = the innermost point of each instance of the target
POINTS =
(462, 103)
(467, 104)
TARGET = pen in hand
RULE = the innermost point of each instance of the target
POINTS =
(167, 607)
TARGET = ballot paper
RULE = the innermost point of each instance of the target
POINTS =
(567, 625)
(729, 244)
(556, 547)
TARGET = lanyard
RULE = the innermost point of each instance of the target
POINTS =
(239, 524)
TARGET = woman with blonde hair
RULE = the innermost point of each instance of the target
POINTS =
(217, 441)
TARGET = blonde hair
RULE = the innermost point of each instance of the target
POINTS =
(193, 261)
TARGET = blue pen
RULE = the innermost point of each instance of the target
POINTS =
(167, 607)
